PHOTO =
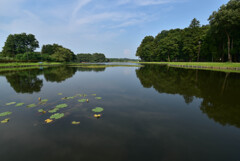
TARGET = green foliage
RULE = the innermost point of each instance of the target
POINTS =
(10, 103)
(63, 55)
(82, 100)
(19, 44)
(5, 121)
(61, 106)
(19, 104)
(57, 116)
(98, 98)
(31, 105)
(218, 41)
(96, 57)
(75, 122)
(5, 113)
(98, 109)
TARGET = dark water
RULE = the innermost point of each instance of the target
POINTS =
(152, 113)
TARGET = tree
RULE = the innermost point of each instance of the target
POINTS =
(19, 44)
(194, 24)
(227, 20)
(63, 55)
(146, 49)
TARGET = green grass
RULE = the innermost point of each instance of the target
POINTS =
(28, 64)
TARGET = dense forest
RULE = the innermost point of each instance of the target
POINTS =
(21, 47)
(219, 41)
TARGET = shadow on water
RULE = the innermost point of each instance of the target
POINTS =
(218, 90)
(27, 81)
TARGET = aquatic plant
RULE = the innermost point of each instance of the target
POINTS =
(60, 94)
(19, 104)
(5, 121)
(83, 100)
(94, 94)
(31, 105)
(98, 98)
(75, 122)
(61, 105)
(57, 116)
(48, 121)
(98, 109)
(53, 110)
(97, 115)
(5, 113)
(10, 103)
(44, 100)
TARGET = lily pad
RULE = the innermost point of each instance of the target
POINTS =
(98, 109)
(10, 103)
(75, 122)
(5, 113)
(31, 105)
(68, 98)
(98, 98)
(61, 105)
(60, 94)
(5, 121)
(84, 95)
(19, 104)
(82, 100)
(40, 110)
(80, 95)
(57, 116)
(53, 110)
(44, 100)
(94, 94)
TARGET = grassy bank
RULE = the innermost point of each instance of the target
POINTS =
(85, 65)
(13, 65)
(201, 65)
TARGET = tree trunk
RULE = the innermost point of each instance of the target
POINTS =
(229, 43)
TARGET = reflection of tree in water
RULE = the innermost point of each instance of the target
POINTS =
(82, 69)
(218, 90)
(25, 81)
(59, 74)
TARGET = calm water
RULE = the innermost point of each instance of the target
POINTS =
(150, 113)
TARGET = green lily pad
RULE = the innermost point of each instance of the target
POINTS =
(53, 110)
(31, 105)
(57, 116)
(19, 104)
(82, 100)
(40, 110)
(98, 98)
(68, 98)
(84, 95)
(94, 94)
(61, 105)
(98, 109)
(44, 100)
(10, 103)
(5, 113)
(80, 95)
(75, 122)
(60, 94)
(5, 121)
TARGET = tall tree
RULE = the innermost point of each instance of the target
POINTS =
(19, 44)
(227, 20)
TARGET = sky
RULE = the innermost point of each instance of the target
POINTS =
(113, 27)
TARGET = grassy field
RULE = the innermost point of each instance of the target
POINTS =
(202, 64)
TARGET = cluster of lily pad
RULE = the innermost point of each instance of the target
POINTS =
(53, 111)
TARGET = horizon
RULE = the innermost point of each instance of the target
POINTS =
(115, 29)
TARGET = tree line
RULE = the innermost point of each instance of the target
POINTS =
(21, 47)
(217, 41)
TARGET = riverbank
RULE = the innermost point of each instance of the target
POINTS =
(19, 65)
(226, 67)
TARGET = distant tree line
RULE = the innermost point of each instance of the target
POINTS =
(120, 60)
(21, 47)
(96, 57)
(218, 41)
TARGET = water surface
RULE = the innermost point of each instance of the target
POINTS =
(150, 113)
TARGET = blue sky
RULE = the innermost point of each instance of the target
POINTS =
(113, 27)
